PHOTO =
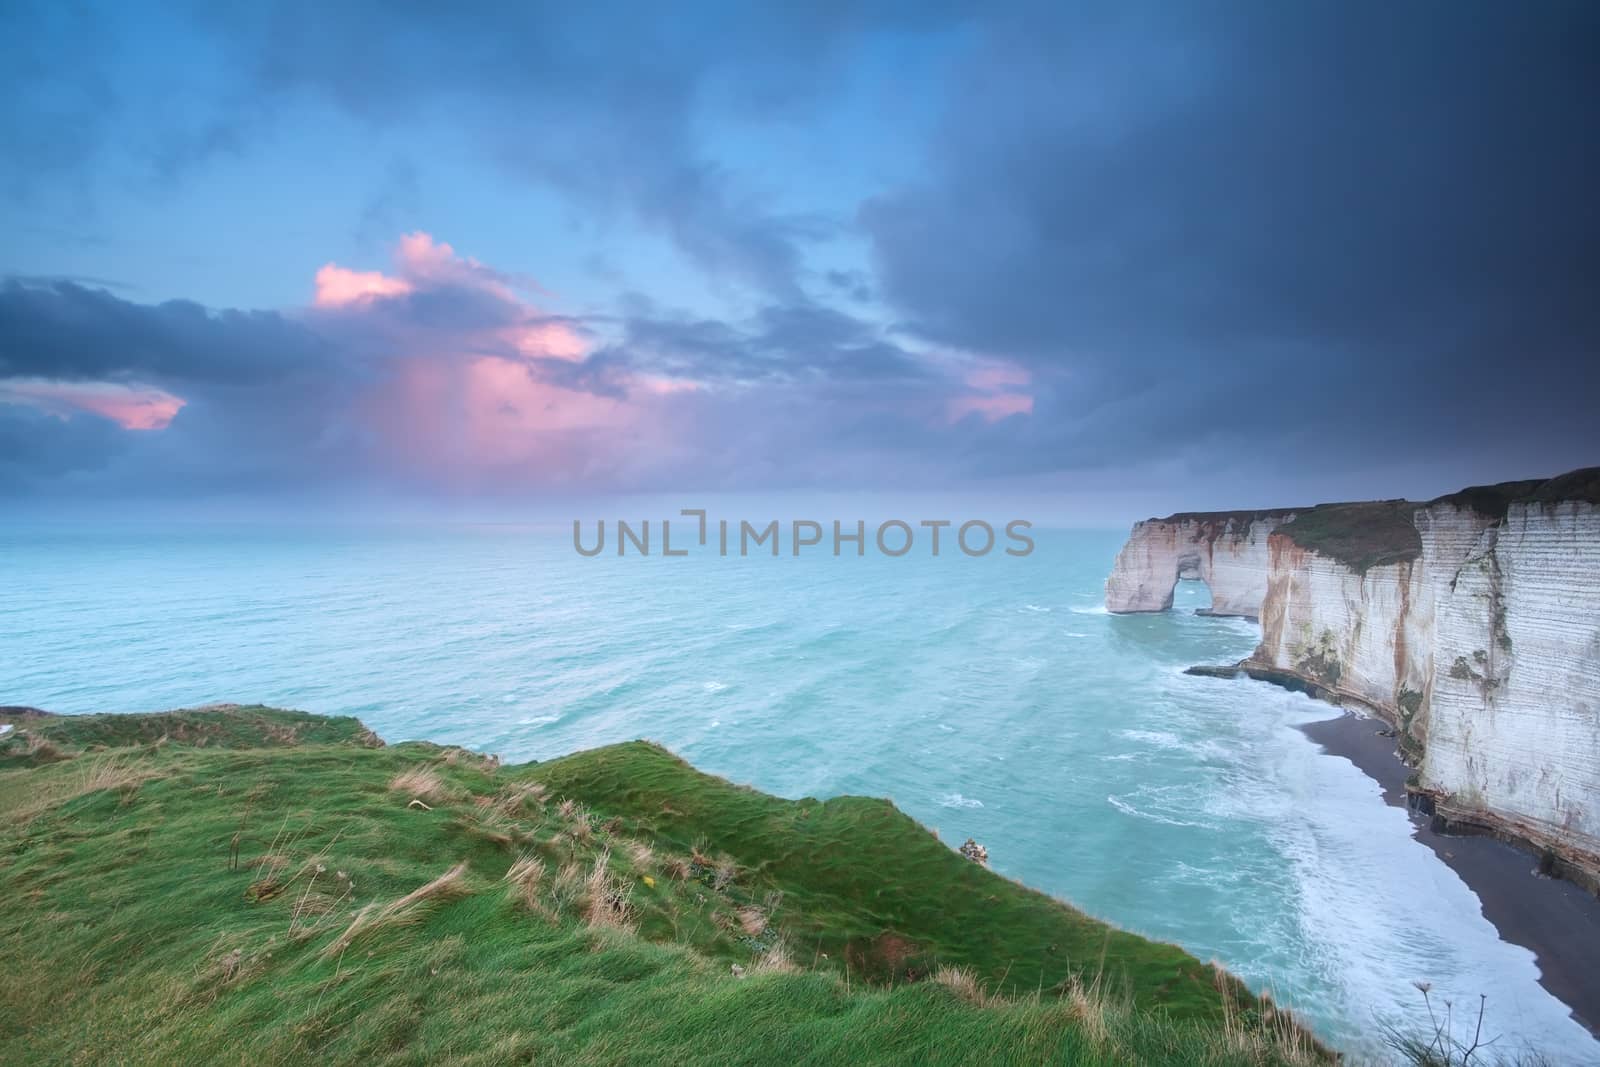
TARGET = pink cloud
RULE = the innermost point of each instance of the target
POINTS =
(486, 422)
(665, 386)
(423, 260)
(133, 407)
(423, 263)
(996, 375)
(990, 408)
(473, 406)
(339, 287)
(548, 339)
(996, 392)
(420, 262)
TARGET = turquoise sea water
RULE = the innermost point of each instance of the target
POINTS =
(991, 698)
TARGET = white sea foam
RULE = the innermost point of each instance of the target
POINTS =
(1035, 608)
(538, 720)
(1098, 609)
(956, 800)
(1377, 910)
(714, 687)
(1122, 805)
(1158, 738)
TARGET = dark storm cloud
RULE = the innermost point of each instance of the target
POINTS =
(444, 385)
(600, 100)
(1367, 218)
(265, 396)
(793, 343)
(1316, 235)
(66, 332)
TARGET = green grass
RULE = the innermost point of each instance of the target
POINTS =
(250, 885)
(1361, 536)
(1495, 500)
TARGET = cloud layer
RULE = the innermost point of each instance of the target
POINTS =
(887, 244)
(442, 376)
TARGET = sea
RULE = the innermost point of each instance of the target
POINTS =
(991, 698)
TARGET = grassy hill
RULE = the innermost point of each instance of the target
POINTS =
(1361, 536)
(252, 885)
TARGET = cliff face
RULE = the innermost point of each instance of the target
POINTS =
(1513, 708)
(1227, 551)
(1471, 623)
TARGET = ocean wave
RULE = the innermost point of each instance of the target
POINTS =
(1354, 864)
(1158, 738)
(1098, 609)
(714, 686)
(1036, 608)
(1208, 876)
(538, 720)
(956, 800)
(1123, 806)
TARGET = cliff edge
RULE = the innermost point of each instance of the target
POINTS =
(287, 889)
(1471, 623)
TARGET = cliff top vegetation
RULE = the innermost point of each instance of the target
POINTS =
(250, 884)
(1361, 536)
(1367, 534)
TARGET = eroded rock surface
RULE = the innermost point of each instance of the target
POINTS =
(1471, 623)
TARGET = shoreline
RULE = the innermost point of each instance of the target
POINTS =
(1553, 918)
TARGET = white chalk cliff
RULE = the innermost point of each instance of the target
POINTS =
(1227, 551)
(1471, 624)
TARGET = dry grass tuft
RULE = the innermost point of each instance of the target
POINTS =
(1091, 1007)
(642, 855)
(519, 799)
(677, 867)
(1280, 1038)
(775, 960)
(492, 824)
(422, 783)
(112, 771)
(581, 828)
(40, 749)
(607, 899)
(456, 756)
(524, 876)
(447, 886)
(725, 875)
(567, 888)
(964, 984)
(753, 921)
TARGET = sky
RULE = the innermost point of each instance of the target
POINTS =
(1127, 257)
